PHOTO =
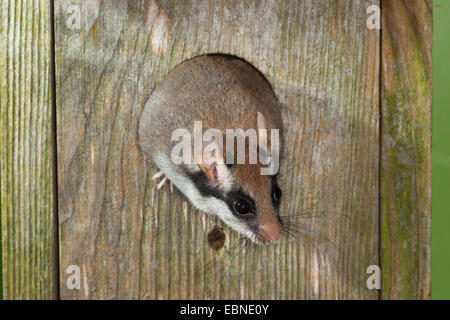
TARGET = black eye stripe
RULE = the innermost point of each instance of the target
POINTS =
(276, 193)
(242, 207)
(200, 180)
(237, 195)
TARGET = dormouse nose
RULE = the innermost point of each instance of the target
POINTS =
(270, 233)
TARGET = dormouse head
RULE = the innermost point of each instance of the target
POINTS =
(241, 194)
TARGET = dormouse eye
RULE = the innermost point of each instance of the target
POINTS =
(276, 194)
(242, 207)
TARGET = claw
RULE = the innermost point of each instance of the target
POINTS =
(159, 175)
(159, 186)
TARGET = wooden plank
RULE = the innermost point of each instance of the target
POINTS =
(406, 148)
(133, 242)
(26, 205)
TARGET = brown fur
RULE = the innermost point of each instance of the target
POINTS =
(224, 93)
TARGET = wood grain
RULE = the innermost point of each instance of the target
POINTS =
(26, 183)
(131, 241)
(406, 148)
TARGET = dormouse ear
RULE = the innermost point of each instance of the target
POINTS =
(262, 132)
(211, 161)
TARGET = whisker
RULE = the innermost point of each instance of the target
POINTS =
(230, 254)
(222, 256)
(315, 214)
(243, 247)
(307, 240)
(248, 243)
(318, 239)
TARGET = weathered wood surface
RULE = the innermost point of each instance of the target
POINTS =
(406, 148)
(324, 67)
(133, 242)
(26, 205)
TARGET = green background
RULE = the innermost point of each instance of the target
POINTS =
(440, 245)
